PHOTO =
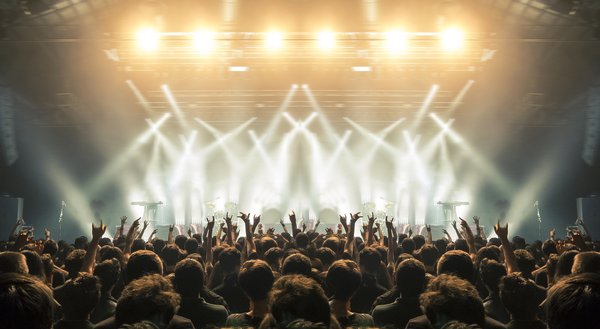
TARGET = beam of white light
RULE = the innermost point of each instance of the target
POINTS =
(308, 120)
(277, 119)
(418, 165)
(460, 96)
(362, 69)
(446, 127)
(171, 99)
(336, 153)
(426, 103)
(138, 94)
(238, 69)
(154, 127)
(261, 150)
(379, 141)
(296, 124)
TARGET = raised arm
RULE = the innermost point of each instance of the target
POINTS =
(130, 237)
(46, 234)
(392, 244)
(141, 234)
(255, 224)
(13, 232)
(349, 246)
(585, 231)
(478, 229)
(170, 235)
(249, 241)
(344, 223)
(121, 228)
(469, 237)
(229, 229)
(209, 253)
(292, 217)
(283, 225)
(152, 235)
(219, 233)
(509, 256)
(458, 235)
(371, 221)
(448, 237)
(429, 239)
(90, 256)
(381, 235)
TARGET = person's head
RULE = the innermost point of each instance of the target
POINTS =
(159, 244)
(302, 240)
(458, 263)
(584, 262)
(549, 247)
(518, 242)
(440, 245)
(565, 263)
(171, 254)
(574, 302)
(34, 264)
(296, 264)
(81, 243)
(149, 298)
(344, 279)
(273, 258)
(108, 272)
(419, 241)
(26, 302)
(521, 297)
(189, 277)
(180, 241)
(429, 255)
(13, 262)
(326, 256)
(138, 244)
(448, 298)
(525, 261)
(74, 261)
(369, 260)
(50, 247)
(333, 243)
(265, 244)
(461, 244)
(410, 278)
(142, 262)
(408, 245)
(78, 297)
(491, 272)
(298, 297)
(191, 246)
(256, 279)
(230, 259)
(110, 252)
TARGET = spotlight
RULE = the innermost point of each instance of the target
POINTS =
(396, 41)
(304, 86)
(148, 39)
(295, 86)
(452, 39)
(326, 40)
(238, 69)
(362, 69)
(204, 41)
(274, 40)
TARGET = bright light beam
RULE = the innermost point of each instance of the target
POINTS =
(141, 99)
(426, 103)
(446, 127)
(169, 95)
(460, 96)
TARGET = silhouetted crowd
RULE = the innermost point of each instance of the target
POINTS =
(348, 276)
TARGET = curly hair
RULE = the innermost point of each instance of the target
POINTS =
(144, 298)
(301, 298)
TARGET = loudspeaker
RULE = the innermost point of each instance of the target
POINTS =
(11, 209)
(588, 209)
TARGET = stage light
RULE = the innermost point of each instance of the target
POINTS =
(362, 69)
(204, 41)
(238, 69)
(326, 40)
(396, 41)
(148, 39)
(452, 39)
(274, 40)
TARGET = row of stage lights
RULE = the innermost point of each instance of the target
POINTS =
(396, 41)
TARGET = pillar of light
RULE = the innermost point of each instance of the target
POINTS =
(204, 41)
(452, 39)
(326, 40)
(274, 40)
(148, 39)
(396, 41)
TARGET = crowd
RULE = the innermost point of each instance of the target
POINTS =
(299, 278)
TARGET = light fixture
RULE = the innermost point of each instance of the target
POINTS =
(148, 39)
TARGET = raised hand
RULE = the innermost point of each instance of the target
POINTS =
(552, 233)
(135, 224)
(476, 220)
(98, 231)
(454, 224)
(354, 217)
(292, 217)
(256, 219)
(410, 231)
(303, 227)
(228, 218)
(465, 226)
(371, 218)
(20, 222)
(171, 228)
(210, 224)
(244, 217)
(154, 232)
(445, 232)
(501, 231)
(123, 220)
(329, 231)
(579, 221)
(281, 222)
(189, 232)
(428, 228)
(47, 233)
(270, 231)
